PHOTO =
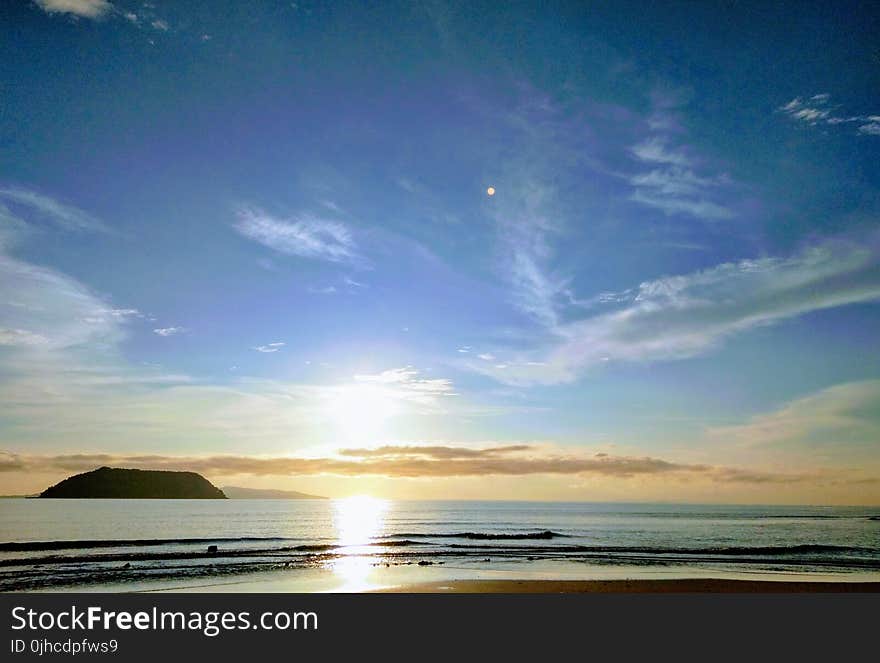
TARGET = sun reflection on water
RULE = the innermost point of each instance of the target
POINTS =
(358, 520)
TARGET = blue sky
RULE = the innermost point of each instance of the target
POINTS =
(261, 234)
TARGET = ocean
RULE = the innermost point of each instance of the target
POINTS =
(113, 545)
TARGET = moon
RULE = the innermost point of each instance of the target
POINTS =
(491, 191)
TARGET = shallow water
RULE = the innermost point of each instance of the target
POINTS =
(46, 544)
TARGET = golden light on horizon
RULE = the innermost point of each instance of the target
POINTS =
(491, 191)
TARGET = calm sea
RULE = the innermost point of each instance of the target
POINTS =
(47, 544)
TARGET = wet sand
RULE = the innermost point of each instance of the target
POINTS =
(665, 586)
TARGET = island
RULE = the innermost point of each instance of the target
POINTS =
(238, 493)
(120, 483)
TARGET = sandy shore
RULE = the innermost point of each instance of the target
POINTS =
(671, 586)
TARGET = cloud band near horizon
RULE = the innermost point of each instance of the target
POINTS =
(429, 462)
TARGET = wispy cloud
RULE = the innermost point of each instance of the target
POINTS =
(114, 314)
(21, 337)
(60, 363)
(818, 110)
(840, 422)
(147, 18)
(655, 150)
(406, 384)
(322, 290)
(270, 347)
(304, 235)
(85, 8)
(684, 316)
(527, 223)
(671, 204)
(41, 303)
(43, 311)
(351, 283)
(676, 181)
(64, 216)
(673, 185)
(169, 331)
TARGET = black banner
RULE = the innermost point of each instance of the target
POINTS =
(250, 627)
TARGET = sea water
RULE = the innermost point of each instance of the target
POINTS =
(49, 544)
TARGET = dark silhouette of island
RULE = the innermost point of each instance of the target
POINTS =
(109, 482)
(238, 493)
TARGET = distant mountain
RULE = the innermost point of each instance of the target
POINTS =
(237, 493)
(109, 482)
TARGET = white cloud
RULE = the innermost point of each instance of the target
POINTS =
(526, 223)
(60, 362)
(305, 236)
(701, 209)
(672, 185)
(485, 356)
(323, 290)
(805, 112)
(675, 181)
(353, 284)
(159, 24)
(269, 347)
(124, 312)
(841, 423)
(656, 150)
(48, 305)
(65, 216)
(21, 337)
(114, 313)
(42, 311)
(169, 331)
(84, 8)
(816, 110)
(406, 384)
(684, 316)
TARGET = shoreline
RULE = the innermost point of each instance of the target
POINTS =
(657, 586)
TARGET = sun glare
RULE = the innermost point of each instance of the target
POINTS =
(359, 412)
(358, 520)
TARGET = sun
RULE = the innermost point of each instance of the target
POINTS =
(359, 412)
(491, 191)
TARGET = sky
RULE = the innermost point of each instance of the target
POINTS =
(256, 240)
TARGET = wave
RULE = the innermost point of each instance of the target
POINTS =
(304, 550)
(15, 546)
(804, 548)
(479, 536)
(807, 548)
